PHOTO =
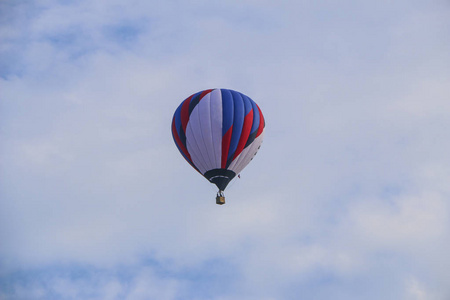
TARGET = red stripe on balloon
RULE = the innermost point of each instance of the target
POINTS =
(203, 94)
(185, 112)
(246, 128)
(226, 139)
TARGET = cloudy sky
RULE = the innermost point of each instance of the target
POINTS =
(348, 198)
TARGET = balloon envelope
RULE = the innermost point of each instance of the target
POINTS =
(218, 132)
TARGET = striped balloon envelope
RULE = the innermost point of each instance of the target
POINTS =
(218, 132)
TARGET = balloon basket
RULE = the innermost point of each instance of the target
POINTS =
(220, 198)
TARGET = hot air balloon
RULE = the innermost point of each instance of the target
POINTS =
(218, 132)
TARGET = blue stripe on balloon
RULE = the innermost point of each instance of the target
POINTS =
(227, 110)
(182, 136)
(177, 117)
(238, 122)
(247, 104)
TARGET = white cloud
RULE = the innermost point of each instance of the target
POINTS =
(405, 222)
(142, 283)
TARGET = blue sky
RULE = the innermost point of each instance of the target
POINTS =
(348, 197)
